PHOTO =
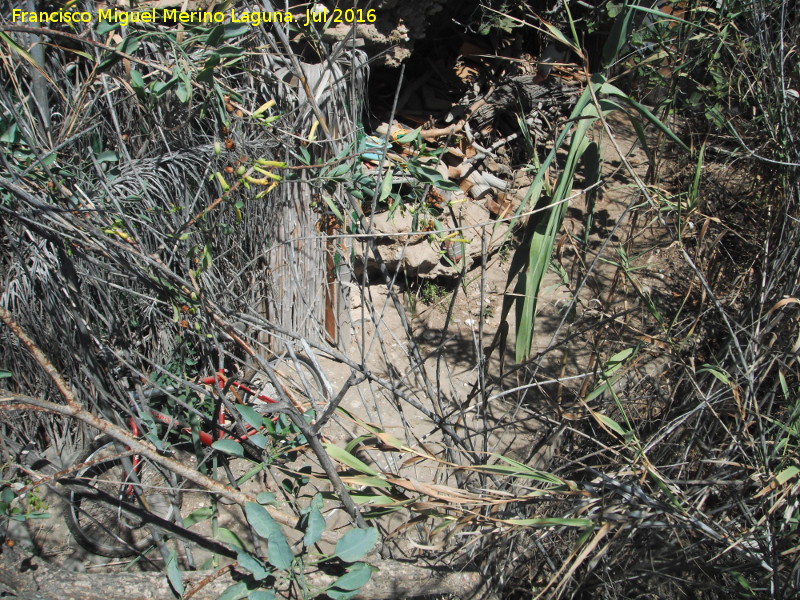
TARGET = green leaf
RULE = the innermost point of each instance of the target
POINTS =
(232, 30)
(356, 441)
(784, 385)
(107, 156)
(129, 45)
(446, 184)
(351, 461)
(262, 595)
(334, 209)
(258, 440)
(556, 34)
(266, 498)
(786, 474)
(518, 469)
(184, 92)
(386, 186)
(425, 174)
(262, 522)
(137, 83)
(611, 424)
(201, 514)
(305, 157)
(356, 543)
(278, 552)
(13, 45)
(158, 88)
(409, 137)
(7, 495)
(206, 258)
(226, 536)
(314, 528)
(600, 390)
(532, 258)
(231, 447)
(251, 563)
(717, 372)
(215, 36)
(174, 573)
(236, 592)
(645, 112)
(619, 36)
(355, 578)
(206, 75)
(104, 27)
(250, 415)
(615, 362)
(655, 121)
(212, 61)
(10, 134)
(694, 190)
(5, 374)
(744, 583)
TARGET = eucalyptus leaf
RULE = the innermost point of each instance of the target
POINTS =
(314, 527)
(266, 498)
(355, 578)
(251, 563)
(235, 592)
(250, 415)
(174, 573)
(278, 551)
(258, 440)
(356, 543)
(232, 30)
(231, 447)
(262, 522)
(226, 536)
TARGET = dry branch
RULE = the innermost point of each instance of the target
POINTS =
(30, 578)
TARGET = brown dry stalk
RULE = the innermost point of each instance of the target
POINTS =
(207, 580)
(40, 357)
